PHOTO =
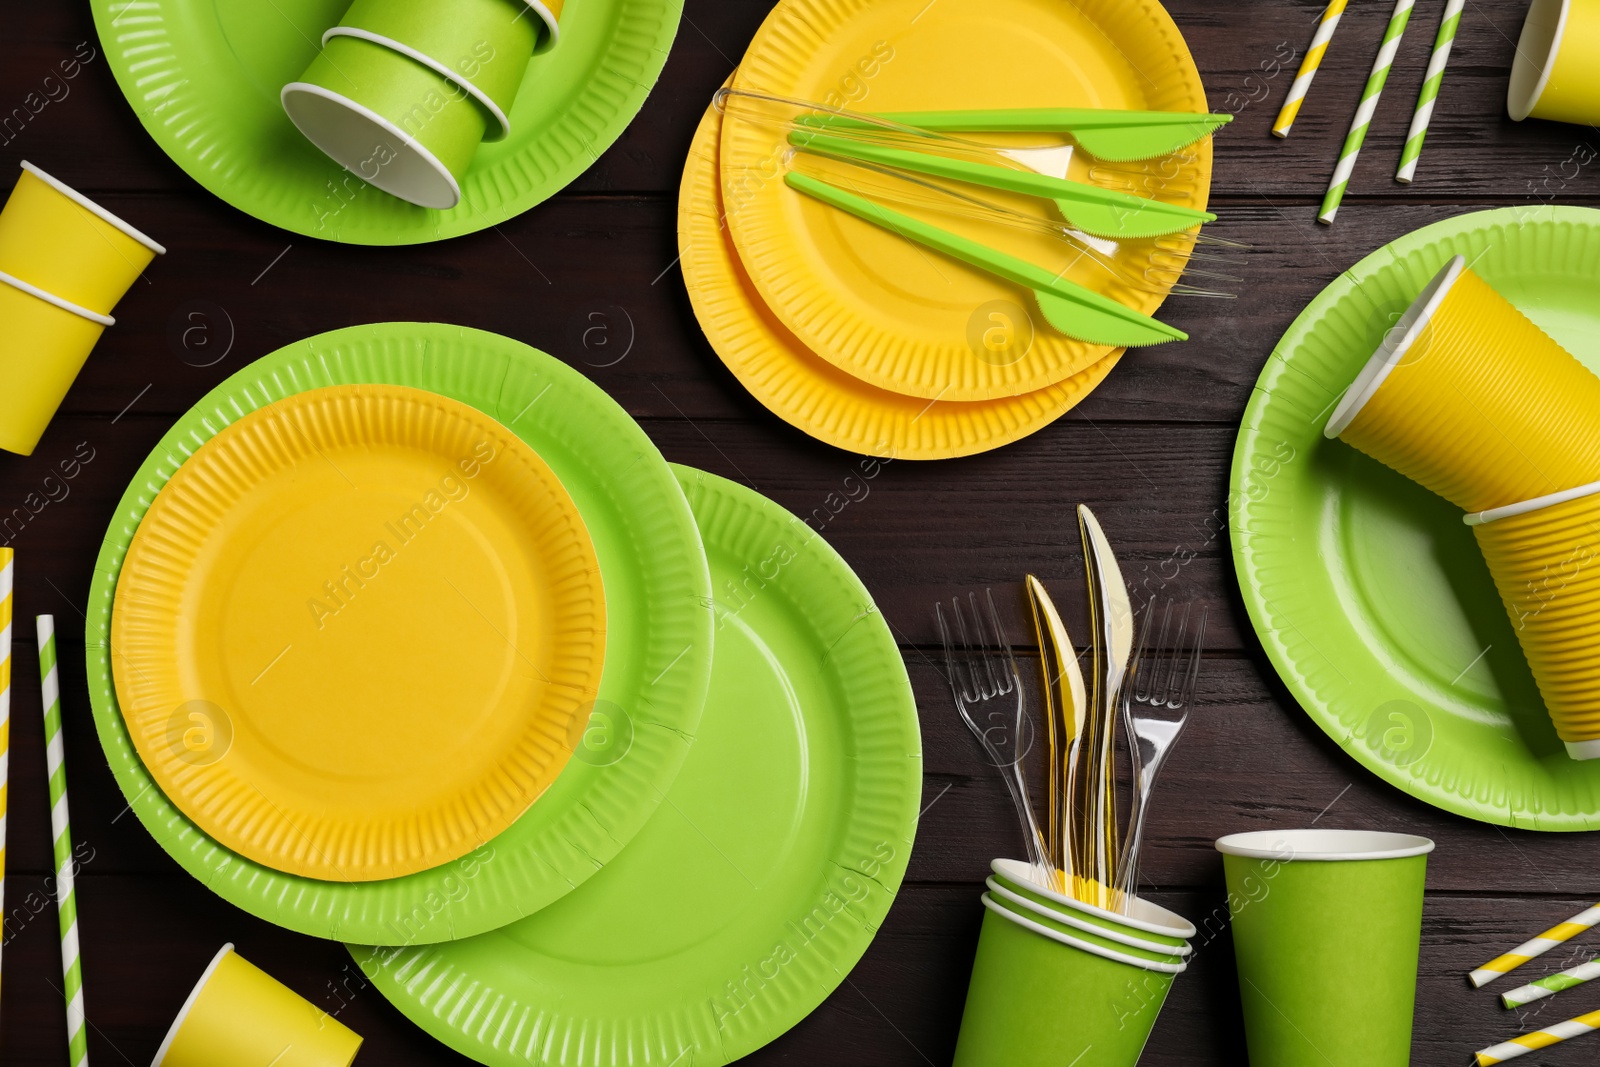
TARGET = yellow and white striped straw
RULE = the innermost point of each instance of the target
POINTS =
(61, 832)
(1550, 1035)
(1556, 935)
(7, 587)
(1308, 68)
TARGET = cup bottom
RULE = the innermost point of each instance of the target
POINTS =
(371, 147)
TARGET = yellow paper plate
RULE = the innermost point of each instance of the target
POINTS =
(810, 393)
(882, 308)
(358, 632)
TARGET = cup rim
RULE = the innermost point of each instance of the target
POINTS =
(432, 64)
(372, 116)
(1538, 503)
(1528, 82)
(51, 298)
(1065, 939)
(89, 205)
(188, 1005)
(1396, 343)
(1323, 845)
(997, 889)
(551, 22)
(1177, 925)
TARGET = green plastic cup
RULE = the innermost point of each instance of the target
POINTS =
(1145, 919)
(1327, 925)
(393, 122)
(1041, 998)
(481, 45)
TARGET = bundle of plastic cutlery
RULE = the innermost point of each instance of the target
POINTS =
(921, 144)
(1141, 681)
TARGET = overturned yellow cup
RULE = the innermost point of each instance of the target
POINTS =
(241, 1016)
(1556, 73)
(1545, 558)
(44, 342)
(1469, 398)
(54, 237)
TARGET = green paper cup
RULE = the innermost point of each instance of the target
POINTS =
(1042, 998)
(1121, 937)
(393, 122)
(1145, 920)
(1326, 926)
(481, 45)
(1098, 937)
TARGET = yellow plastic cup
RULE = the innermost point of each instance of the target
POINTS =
(241, 1016)
(1544, 556)
(54, 237)
(44, 342)
(394, 122)
(1556, 73)
(1470, 399)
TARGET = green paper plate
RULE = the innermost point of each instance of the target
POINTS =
(1368, 593)
(759, 883)
(204, 76)
(658, 642)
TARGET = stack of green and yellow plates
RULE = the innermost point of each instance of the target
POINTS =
(865, 340)
(407, 636)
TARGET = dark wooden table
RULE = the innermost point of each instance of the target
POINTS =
(1149, 451)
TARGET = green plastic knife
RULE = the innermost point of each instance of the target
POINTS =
(1068, 307)
(1114, 136)
(1101, 212)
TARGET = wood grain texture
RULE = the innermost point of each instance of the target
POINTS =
(590, 276)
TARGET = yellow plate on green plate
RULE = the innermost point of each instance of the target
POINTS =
(358, 633)
(882, 308)
(807, 391)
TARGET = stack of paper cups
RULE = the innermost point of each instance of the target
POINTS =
(1545, 558)
(1469, 398)
(1056, 979)
(65, 261)
(403, 93)
(1556, 74)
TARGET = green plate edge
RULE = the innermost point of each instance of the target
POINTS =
(648, 546)
(433, 985)
(221, 121)
(1512, 784)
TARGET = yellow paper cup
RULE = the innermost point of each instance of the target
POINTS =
(54, 237)
(1556, 73)
(1545, 558)
(241, 1016)
(44, 341)
(397, 124)
(1470, 399)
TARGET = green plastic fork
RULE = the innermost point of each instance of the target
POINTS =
(1068, 307)
(1113, 136)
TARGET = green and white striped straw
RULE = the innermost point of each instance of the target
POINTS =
(61, 832)
(1364, 112)
(1555, 983)
(1430, 90)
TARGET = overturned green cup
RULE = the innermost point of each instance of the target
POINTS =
(395, 123)
(1042, 998)
(1327, 925)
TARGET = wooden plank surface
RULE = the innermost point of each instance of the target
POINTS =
(1150, 451)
